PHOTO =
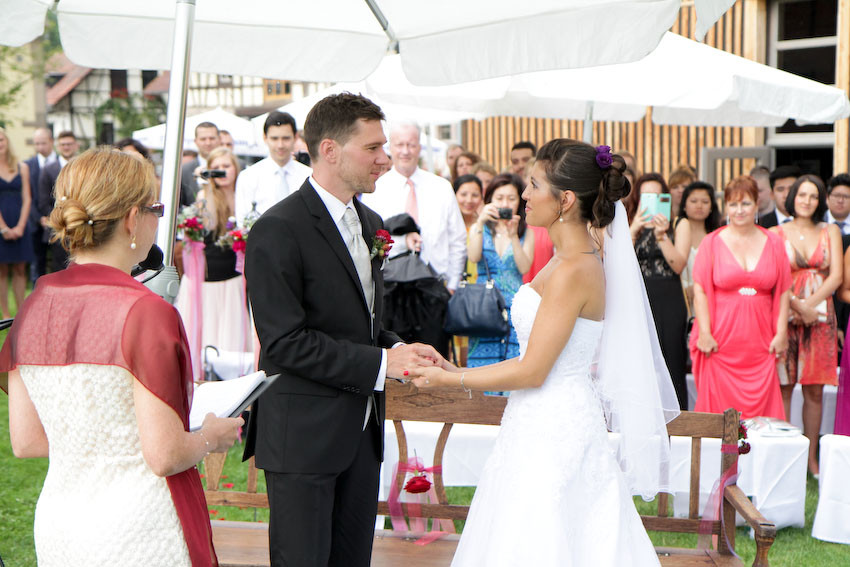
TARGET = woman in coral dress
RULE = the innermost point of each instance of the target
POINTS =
(741, 290)
(814, 252)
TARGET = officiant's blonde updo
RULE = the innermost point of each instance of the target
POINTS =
(94, 191)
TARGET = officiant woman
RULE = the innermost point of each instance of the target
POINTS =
(99, 381)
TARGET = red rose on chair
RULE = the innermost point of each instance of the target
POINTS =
(418, 484)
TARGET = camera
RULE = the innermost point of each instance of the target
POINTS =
(506, 213)
(210, 173)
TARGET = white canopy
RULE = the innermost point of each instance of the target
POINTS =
(241, 129)
(710, 87)
(440, 41)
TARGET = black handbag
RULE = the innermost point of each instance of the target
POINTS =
(477, 310)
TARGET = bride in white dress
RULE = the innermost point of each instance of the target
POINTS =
(552, 492)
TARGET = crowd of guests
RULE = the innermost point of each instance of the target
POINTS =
(747, 286)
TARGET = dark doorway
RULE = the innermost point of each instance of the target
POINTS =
(810, 160)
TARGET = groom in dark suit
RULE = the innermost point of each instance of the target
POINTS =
(316, 291)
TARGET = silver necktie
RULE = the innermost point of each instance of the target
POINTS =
(359, 254)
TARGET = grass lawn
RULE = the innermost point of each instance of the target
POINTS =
(21, 480)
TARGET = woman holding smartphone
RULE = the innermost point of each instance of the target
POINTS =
(500, 243)
(661, 262)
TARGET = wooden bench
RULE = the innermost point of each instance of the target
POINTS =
(244, 544)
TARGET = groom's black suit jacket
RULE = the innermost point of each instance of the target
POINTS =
(316, 331)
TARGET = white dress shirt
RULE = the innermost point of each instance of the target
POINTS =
(844, 225)
(442, 229)
(44, 160)
(780, 218)
(337, 208)
(266, 183)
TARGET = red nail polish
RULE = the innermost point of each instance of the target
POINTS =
(406, 372)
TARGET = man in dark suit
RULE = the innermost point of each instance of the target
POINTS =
(207, 138)
(67, 144)
(781, 180)
(315, 290)
(42, 139)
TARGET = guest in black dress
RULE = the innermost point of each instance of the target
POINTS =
(661, 263)
(16, 245)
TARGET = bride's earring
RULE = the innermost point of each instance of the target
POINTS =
(133, 242)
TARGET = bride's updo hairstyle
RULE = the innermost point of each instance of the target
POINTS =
(94, 191)
(595, 175)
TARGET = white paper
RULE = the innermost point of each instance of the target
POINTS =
(221, 398)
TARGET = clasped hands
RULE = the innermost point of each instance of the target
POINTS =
(417, 362)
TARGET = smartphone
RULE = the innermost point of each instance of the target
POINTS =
(210, 173)
(506, 213)
(655, 203)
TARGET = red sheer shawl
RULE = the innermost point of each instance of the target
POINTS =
(96, 314)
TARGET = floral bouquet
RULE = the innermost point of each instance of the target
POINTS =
(191, 223)
(234, 237)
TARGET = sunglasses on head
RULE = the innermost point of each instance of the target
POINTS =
(157, 209)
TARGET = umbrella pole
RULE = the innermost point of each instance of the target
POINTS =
(587, 129)
(172, 151)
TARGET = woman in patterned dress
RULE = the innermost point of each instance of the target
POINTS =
(506, 249)
(815, 253)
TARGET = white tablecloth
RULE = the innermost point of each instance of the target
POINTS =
(773, 473)
(832, 519)
(830, 393)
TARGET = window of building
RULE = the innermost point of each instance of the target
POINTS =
(225, 80)
(803, 40)
(118, 83)
(148, 76)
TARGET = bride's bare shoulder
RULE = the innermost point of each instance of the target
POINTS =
(576, 274)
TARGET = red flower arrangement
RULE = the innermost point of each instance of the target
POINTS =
(235, 237)
(743, 447)
(382, 243)
(192, 224)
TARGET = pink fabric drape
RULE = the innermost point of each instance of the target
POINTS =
(842, 403)
(417, 524)
(194, 272)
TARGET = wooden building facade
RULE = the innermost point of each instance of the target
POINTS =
(807, 37)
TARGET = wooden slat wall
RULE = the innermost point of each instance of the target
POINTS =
(741, 31)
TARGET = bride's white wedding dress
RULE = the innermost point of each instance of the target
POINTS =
(552, 493)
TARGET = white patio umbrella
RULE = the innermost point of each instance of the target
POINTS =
(710, 88)
(441, 41)
(241, 129)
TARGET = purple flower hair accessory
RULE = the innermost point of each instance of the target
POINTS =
(604, 159)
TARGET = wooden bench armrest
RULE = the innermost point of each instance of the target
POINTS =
(762, 527)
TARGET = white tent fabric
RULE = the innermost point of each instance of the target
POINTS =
(23, 21)
(244, 142)
(343, 40)
(710, 87)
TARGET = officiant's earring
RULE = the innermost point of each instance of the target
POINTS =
(133, 242)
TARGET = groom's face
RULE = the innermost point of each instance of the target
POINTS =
(363, 158)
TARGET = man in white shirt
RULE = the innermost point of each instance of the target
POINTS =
(781, 180)
(274, 178)
(429, 199)
(838, 201)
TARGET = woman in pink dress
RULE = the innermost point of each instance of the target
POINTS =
(741, 294)
(814, 252)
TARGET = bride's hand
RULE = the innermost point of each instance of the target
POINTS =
(428, 377)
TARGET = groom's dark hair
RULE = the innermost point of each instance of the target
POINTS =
(336, 117)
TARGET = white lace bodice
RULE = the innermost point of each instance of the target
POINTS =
(100, 503)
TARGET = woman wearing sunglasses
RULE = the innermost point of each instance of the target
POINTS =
(99, 380)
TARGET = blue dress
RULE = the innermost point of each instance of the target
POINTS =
(503, 270)
(11, 201)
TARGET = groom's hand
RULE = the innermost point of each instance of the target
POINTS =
(405, 358)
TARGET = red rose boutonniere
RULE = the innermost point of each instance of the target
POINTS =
(382, 243)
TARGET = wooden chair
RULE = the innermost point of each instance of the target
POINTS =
(237, 544)
(245, 544)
